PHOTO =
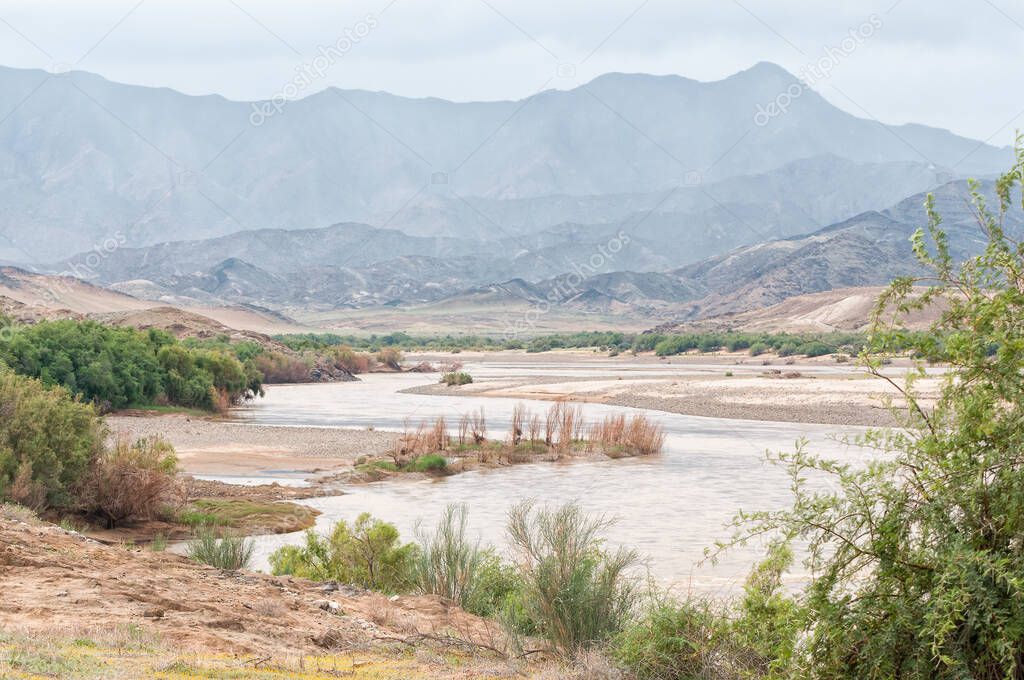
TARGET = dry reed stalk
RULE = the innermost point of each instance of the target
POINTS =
(478, 427)
(519, 416)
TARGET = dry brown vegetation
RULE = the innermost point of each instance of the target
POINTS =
(130, 480)
(561, 431)
(636, 435)
(391, 357)
(351, 360)
(277, 367)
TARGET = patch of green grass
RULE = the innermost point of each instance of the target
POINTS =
(248, 516)
(383, 465)
(195, 518)
(429, 463)
(224, 552)
(33, 663)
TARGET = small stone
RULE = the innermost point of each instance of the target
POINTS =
(329, 606)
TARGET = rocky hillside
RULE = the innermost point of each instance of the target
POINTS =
(868, 250)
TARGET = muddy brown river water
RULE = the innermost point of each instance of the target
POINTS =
(669, 507)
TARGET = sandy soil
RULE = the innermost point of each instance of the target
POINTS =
(231, 447)
(778, 391)
(58, 582)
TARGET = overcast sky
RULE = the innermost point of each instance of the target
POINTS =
(955, 65)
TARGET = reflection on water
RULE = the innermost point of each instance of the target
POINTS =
(669, 507)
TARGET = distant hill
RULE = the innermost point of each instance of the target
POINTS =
(28, 297)
(313, 273)
(867, 250)
(843, 309)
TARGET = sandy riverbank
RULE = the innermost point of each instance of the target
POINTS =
(739, 387)
(208, 446)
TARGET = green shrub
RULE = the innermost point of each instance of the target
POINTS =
(497, 592)
(576, 593)
(367, 554)
(814, 349)
(709, 344)
(787, 349)
(456, 378)
(767, 624)
(107, 365)
(47, 442)
(118, 367)
(674, 642)
(758, 348)
(226, 551)
(702, 638)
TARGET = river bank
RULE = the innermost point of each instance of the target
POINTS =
(73, 607)
(722, 385)
(231, 448)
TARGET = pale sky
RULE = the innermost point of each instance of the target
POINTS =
(945, 64)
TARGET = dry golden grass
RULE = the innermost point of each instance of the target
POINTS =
(564, 432)
(636, 436)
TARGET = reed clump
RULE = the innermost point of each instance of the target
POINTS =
(561, 431)
(636, 436)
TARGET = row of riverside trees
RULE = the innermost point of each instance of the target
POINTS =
(116, 367)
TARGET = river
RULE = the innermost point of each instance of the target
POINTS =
(669, 507)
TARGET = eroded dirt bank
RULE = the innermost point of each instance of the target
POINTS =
(60, 586)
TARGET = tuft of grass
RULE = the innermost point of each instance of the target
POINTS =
(158, 544)
(227, 552)
(448, 562)
(195, 518)
(13, 512)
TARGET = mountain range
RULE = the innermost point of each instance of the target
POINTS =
(355, 199)
(83, 159)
